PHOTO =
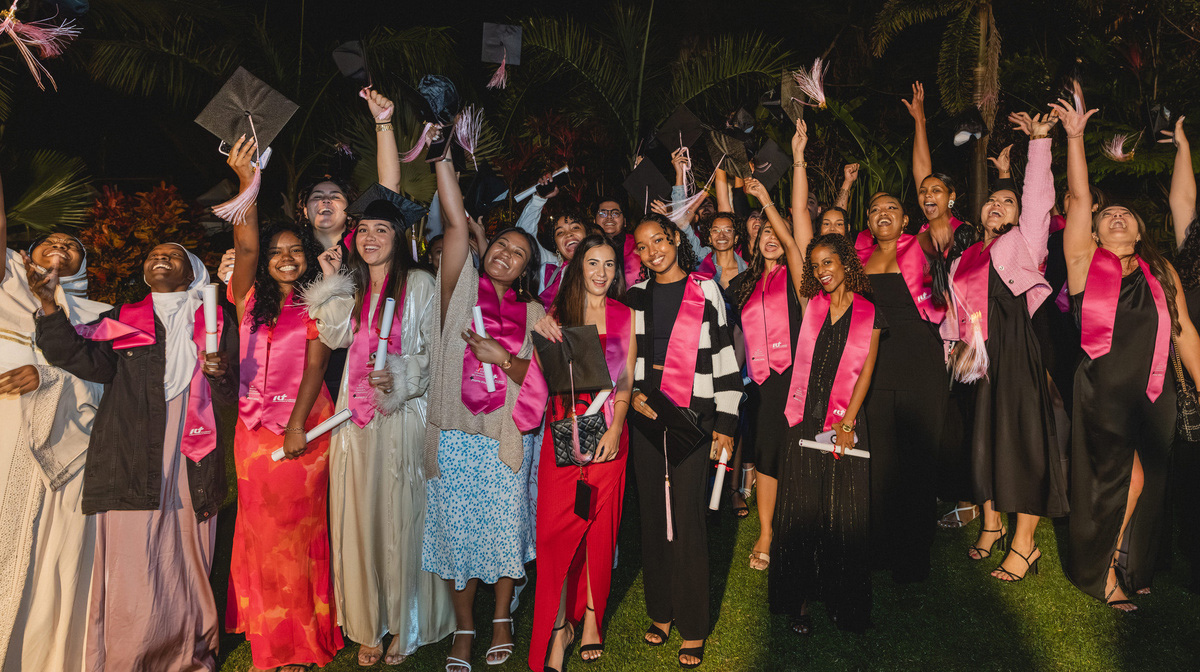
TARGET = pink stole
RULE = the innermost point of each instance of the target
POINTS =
(505, 322)
(766, 325)
(358, 358)
(911, 260)
(679, 369)
(1099, 313)
(971, 289)
(551, 279)
(854, 356)
(633, 261)
(272, 366)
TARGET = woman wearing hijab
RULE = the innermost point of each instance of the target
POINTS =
(47, 554)
(156, 462)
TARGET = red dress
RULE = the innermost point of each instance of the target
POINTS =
(565, 541)
(280, 587)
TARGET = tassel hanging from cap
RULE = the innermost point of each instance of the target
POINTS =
(500, 79)
(47, 38)
(466, 131)
(812, 83)
(968, 360)
(234, 210)
(422, 142)
(683, 212)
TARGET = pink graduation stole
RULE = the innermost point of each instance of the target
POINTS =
(911, 260)
(766, 325)
(135, 328)
(551, 280)
(505, 322)
(272, 366)
(971, 290)
(679, 369)
(854, 356)
(1099, 312)
(633, 261)
(358, 358)
(1057, 223)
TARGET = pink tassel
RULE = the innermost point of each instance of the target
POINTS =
(969, 360)
(500, 79)
(812, 83)
(44, 36)
(679, 214)
(234, 210)
(422, 143)
(1115, 148)
(466, 131)
(667, 490)
(576, 451)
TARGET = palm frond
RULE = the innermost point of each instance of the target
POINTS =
(745, 58)
(411, 53)
(7, 77)
(896, 15)
(113, 18)
(56, 195)
(956, 62)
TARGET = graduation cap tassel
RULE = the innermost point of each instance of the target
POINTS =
(812, 83)
(44, 36)
(234, 210)
(500, 79)
(466, 131)
(969, 360)
(422, 142)
(1115, 148)
(678, 215)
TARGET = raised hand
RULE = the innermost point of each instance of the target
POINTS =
(682, 161)
(799, 140)
(240, 157)
(1001, 162)
(1176, 136)
(1073, 120)
(916, 107)
(42, 284)
(331, 261)
(850, 173)
(381, 106)
(660, 207)
(546, 179)
(757, 190)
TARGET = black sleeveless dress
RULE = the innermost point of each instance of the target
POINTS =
(1018, 458)
(1113, 419)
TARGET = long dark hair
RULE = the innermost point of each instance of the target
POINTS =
(526, 283)
(398, 269)
(856, 278)
(546, 228)
(758, 266)
(684, 255)
(268, 296)
(1160, 268)
(939, 266)
(568, 306)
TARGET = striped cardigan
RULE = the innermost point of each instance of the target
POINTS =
(717, 390)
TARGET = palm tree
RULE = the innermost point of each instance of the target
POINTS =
(968, 62)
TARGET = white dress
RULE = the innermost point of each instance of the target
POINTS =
(48, 544)
(377, 482)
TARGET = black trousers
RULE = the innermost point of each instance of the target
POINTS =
(674, 573)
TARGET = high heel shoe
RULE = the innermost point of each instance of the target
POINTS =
(566, 646)
(501, 649)
(586, 648)
(987, 552)
(451, 661)
(1117, 604)
(1030, 567)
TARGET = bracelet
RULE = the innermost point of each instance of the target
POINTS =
(1077, 135)
(768, 204)
(506, 364)
(383, 126)
(800, 164)
(293, 430)
(1039, 136)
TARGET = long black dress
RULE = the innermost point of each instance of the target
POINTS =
(1018, 459)
(907, 407)
(822, 522)
(1114, 419)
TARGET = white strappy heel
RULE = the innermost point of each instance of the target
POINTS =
(451, 661)
(506, 649)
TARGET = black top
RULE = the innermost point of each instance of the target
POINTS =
(795, 314)
(667, 296)
(910, 353)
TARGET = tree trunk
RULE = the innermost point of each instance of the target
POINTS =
(979, 164)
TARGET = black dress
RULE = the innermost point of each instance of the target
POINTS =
(766, 424)
(822, 522)
(907, 407)
(1114, 419)
(1018, 459)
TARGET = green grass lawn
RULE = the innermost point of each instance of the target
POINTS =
(960, 619)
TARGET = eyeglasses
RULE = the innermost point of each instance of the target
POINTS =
(615, 212)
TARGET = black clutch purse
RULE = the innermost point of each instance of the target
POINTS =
(675, 428)
(577, 363)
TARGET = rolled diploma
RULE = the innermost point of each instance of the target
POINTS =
(327, 426)
(414, 246)
(828, 447)
(529, 192)
(385, 330)
(719, 482)
(211, 338)
(597, 402)
(479, 329)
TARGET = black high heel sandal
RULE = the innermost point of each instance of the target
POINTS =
(987, 552)
(585, 648)
(1031, 567)
(1117, 584)
(697, 651)
(657, 632)
(567, 647)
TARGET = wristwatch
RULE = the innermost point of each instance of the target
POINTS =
(846, 427)
(506, 364)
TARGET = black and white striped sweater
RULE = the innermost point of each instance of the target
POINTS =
(717, 390)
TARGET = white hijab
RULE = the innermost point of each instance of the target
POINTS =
(177, 312)
(72, 285)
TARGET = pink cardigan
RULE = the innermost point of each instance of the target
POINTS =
(1020, 255)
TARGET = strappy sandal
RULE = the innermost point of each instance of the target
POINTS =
(451, 661)
(697, 651)
(505, 649)
(1030, 567)
(744, 491)
(987, 552)
(370, 658)
(570, 641)
(657, 632)
(586, 648)
(1117, 604)
(954, 520)
(756, 555)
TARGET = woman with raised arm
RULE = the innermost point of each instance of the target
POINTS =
(1130, 306)
(907, 402)
(479, 527)
(685, 350)
(936, 192)
(43, 448)
(1017, 456)
(280, 590)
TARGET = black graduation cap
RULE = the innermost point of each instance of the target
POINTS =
(351, 59)
(1160, 120)
(501, 44)
(485, 192)
(733, 148)
(411, 211)
(245, 98)
(646, 184)
(789, 97)
(741, 120)
(435, 98)
(682, 124)
(770, 164)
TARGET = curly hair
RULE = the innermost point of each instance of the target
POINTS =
(550, 219)
(739, 227)
(856, 278)
(684, 255)
(268, 295)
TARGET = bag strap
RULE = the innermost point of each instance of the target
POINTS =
(1183, 386)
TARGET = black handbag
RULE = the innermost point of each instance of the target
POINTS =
(1187, 418)
(577, 437)
(675, 428)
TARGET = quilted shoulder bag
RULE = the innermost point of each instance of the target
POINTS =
(1187, 420)
(577, 437)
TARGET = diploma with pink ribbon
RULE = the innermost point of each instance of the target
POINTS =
(312, 434)
(825, 442)
(719, 481)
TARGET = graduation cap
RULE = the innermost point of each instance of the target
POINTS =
(681, 127)
(646, 184)
(770, 164)
(790, 96)
(351, 60)
(435, 98)
(246, 105)
(741, 120)
(363, 206)
(501, 44)
(968, 126)
(485, 191)
(733, 150)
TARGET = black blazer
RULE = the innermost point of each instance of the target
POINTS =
(124, 461)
